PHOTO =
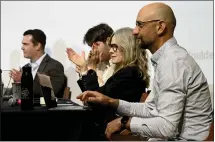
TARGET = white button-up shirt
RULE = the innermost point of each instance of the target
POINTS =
(35, 65)
(180, 93)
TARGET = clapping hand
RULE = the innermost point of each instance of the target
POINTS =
(94, 58)
(15, 75)
(77, 59)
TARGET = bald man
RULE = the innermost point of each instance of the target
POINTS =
(179, 106)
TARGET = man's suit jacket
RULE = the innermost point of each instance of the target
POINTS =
(55, 70)
(126, 84)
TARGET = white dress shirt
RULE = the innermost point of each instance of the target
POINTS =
(103, 71)
(35, 65)
(180, 94)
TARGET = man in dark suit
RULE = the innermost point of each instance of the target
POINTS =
(33, 46)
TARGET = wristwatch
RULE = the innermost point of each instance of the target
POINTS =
(124, 121)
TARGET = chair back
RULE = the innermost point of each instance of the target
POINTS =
(211, 133)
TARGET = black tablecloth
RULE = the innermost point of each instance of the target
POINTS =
(43, 124)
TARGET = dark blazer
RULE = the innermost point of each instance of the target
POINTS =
(126, 84)
(55, 70)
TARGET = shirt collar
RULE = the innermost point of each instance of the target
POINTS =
(158, 54)
(102, 66)
(110, 64)
(38, 61)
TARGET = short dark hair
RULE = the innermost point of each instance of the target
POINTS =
(38, 36)
(98, 33)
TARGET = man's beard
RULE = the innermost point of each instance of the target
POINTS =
(142, 44)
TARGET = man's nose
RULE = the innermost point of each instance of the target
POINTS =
(136, 31)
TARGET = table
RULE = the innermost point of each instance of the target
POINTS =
(41, 124)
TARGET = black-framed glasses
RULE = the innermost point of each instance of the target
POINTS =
(141, 24)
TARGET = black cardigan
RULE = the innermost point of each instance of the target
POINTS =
(126, 84)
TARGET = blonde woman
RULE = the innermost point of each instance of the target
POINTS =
(128, 82)
(130, 76)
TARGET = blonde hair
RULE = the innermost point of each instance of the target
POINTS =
(132, 53)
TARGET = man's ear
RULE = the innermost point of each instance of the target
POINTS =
(38, 46)
(161, 27)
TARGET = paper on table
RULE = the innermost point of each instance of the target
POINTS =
(46, 82)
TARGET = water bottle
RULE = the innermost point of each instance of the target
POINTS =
(27, 101)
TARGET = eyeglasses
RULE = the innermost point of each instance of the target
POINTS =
(114, 47)
(141, 24)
